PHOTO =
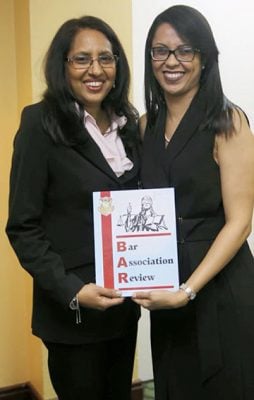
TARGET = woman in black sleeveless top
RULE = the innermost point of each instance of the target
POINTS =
(197, 141)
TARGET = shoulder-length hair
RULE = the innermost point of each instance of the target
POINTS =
(192, 28)
(61, 119)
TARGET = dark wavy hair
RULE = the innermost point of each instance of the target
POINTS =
(193, 28)
(61, 119)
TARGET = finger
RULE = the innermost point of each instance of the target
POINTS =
(141, 302)
(141, 295)
(111, 302)
(110, 293)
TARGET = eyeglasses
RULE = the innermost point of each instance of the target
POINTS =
(83, 61)
(182, 53)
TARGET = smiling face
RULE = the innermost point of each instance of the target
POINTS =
(176, 78)
(92, 84)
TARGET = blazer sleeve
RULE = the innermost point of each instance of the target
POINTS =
(28, 191)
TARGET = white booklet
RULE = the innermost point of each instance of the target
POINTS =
(135, 240)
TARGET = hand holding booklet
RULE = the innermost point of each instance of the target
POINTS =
(135, 240)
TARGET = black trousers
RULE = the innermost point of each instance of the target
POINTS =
(94, 371)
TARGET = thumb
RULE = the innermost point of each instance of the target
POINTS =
(112, 293)
(141, 295)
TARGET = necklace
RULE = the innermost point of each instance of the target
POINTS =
(166, 141)
(168, 138)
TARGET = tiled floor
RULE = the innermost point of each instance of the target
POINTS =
(148, 390)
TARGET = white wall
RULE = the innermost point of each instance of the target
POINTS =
(233, 28)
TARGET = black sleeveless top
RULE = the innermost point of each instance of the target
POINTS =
(187, 164)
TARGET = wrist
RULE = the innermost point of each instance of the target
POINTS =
(191, 294)
(74, 305)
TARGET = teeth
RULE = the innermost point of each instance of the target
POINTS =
(173, 75)
(94, 84)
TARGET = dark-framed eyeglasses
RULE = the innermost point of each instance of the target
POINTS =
(84, 61)
(183, 53)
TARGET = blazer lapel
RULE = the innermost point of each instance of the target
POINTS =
(88, 149)
(185, 130)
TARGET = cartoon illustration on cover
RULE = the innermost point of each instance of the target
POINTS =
(146, 220)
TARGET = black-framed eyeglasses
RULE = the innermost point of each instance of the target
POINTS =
(83, 61)
(183, 53)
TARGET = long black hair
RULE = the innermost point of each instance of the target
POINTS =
(61, 119)
(193, 28)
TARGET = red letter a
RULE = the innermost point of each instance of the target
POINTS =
(122, 262)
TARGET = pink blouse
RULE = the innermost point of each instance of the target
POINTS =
(110, 143)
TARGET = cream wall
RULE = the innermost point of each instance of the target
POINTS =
(14, 308)
(46, 16)
(26, 28)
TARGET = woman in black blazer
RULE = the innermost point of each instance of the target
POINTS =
(79, 139)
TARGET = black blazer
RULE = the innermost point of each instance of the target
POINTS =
(50, 227)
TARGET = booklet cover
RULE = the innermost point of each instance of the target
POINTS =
(135, 240)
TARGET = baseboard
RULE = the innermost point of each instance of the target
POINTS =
(24, 391)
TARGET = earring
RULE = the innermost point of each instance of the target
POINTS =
(203, 67)
(114, 85)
